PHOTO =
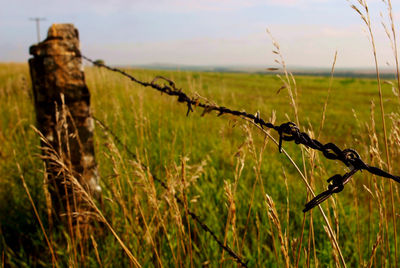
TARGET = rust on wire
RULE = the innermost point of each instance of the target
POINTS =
(286, 131)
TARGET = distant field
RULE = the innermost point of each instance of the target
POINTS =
(212, 149)
(261, 69)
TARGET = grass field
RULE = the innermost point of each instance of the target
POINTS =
(219, 164)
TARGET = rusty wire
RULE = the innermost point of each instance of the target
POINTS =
(286, 131)
(194, 216)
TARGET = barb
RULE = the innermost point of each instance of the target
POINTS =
(286, 131)
(337, 185)
(164, 185)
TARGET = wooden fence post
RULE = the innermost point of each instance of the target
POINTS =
(62, 103)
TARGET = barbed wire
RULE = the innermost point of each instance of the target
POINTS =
(286, 131)
(194, 216)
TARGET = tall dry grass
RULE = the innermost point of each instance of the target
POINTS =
(238, 184)
(361, 7)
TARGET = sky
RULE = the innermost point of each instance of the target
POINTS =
(204, 32)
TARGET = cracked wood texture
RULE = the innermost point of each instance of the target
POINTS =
(62, 103)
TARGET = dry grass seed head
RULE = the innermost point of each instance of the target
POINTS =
(230, 201)
(273, 215)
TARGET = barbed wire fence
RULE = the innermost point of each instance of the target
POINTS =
(288, 131)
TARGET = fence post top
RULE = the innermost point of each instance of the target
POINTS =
(62, 39)
(62, 31)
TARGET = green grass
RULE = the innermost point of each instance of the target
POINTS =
(156, 127)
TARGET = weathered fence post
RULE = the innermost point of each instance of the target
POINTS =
(62, 103)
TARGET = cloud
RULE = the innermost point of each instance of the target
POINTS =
(315, 45)
(200, 32)
(209, 5)
(194, 51)
(301, 45)
(104, 7)
(295, 3)
(178, 5)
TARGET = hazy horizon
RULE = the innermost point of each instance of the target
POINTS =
(205, 32)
